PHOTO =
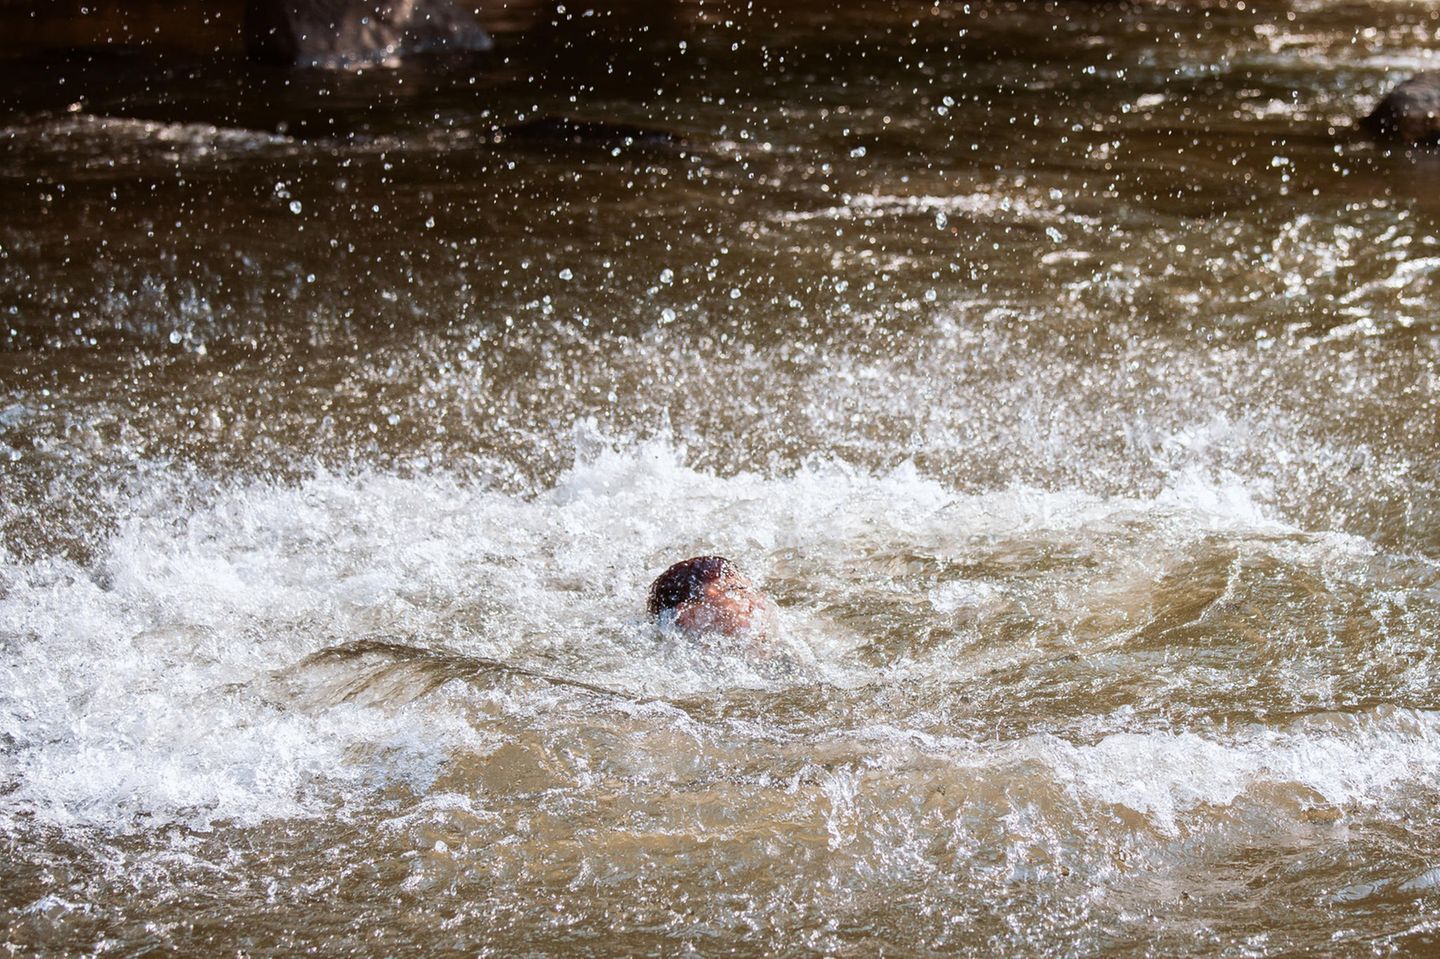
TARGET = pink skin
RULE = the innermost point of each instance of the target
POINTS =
(731, 606)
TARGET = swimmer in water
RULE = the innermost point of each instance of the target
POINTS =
(707, 597)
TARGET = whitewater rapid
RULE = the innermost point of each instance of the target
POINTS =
(146, 686)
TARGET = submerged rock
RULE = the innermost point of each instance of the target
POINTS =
(349, 32)
(1410, 113)
(590, 133)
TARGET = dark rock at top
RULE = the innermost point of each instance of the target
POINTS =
(1410, 113)
(565, 131)
(337, 33)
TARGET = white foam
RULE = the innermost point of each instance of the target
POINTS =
(1164, 775)
(1019, 206)
(135, 690)
(953, 597)
(199, 137)
(1345, 760)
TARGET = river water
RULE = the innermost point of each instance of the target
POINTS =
(1068, 373)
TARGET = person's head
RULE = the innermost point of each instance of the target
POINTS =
(709, 594)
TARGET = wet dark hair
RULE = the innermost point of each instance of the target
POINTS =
(686, 580)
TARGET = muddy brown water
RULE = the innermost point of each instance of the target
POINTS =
(1067, 372)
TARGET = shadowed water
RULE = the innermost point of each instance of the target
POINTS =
(1069, 375)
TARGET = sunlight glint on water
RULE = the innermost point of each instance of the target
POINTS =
(1068, 376)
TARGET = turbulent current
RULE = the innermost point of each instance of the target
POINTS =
(1069, 374)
